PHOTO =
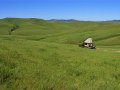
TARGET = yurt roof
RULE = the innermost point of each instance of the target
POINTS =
(89, 40)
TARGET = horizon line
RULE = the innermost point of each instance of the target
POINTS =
(60, 19)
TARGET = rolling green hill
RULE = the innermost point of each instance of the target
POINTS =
(71, 32)
(44, 55)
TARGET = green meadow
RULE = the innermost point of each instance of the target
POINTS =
(44, 55)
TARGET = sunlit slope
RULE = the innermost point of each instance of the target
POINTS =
(44, 55)
(36, 65)
(72, 32)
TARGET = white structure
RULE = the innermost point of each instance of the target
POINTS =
(88, 43)
(89, 40)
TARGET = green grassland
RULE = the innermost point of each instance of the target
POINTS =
(44, 55)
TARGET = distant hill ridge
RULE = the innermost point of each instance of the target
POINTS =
(63, 31)
(63, 20)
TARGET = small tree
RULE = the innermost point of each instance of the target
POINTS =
(13, 29)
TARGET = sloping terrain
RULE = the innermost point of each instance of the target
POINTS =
(44, 55)
(61, 32)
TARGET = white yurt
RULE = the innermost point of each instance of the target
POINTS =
(89, 40)
(88, 43)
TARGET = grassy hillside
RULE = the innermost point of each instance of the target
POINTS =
(44, 55)
(67, 32)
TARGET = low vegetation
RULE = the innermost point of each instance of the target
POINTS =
(44, 55)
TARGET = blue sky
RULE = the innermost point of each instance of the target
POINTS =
(61, 9)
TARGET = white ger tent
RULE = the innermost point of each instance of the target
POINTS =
(89, 40)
